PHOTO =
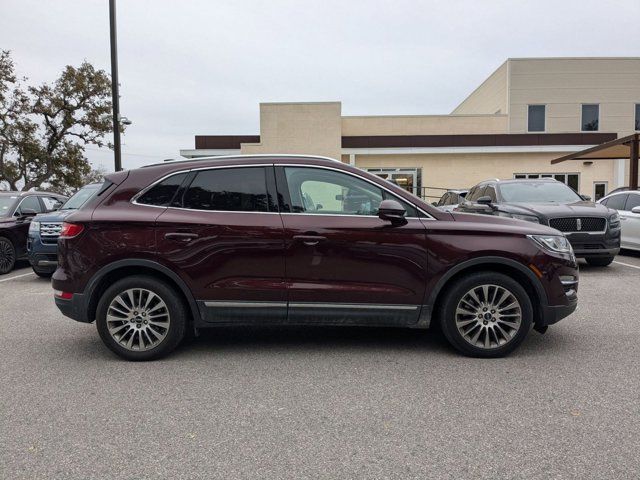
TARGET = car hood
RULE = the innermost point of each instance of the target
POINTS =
(57, 216)
(496, 224)
(555, 209)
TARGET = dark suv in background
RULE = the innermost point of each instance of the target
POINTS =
(592, 229)
(16, 211)
(168, 249)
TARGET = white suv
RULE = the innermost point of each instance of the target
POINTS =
(628, 205)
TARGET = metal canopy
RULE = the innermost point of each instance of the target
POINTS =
(625, 147)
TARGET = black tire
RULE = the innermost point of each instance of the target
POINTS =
(175, 309)
(42, 273)
(454, 295)
(7, 255)
(599, 261)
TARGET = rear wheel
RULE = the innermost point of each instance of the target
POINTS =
(141, 318)
(599, 261)
(486, 314)
(7, 255)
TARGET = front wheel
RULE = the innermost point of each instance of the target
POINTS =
(599, 261)
(7, 255)
(141, 318)
(486, 314)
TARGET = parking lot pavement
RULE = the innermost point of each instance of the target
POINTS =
(324, 402)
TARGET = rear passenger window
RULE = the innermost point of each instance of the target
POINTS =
(229, 190)
(162, 193)
(632, 202)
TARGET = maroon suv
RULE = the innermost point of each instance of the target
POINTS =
(172, 248)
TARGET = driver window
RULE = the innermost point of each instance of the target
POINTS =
(319, 191)
(29, 203)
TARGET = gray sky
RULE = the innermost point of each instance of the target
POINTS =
(201, 67)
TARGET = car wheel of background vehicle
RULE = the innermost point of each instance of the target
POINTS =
(486, 314)
(7, 255)
(141, 318)
(42, 273)
(599, 261)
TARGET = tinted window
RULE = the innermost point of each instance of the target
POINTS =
(6, 205)
(229, 190)
(616, 201)
(490, 192)
(319, 191)
(590, 114)
(81, 197)
(160, 194)
(445, 200)
(632, 202)
(536, 118)
(30, 203)
(49, 203)
(537, 192)
(476, 193)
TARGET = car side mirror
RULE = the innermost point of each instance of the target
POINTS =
(636, 210)
(586, 197)
(485, 200)
(392, 211)
(435, 204)
(27, 213)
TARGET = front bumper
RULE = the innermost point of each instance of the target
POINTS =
(604, 244)
(555, 313)
(42, 256)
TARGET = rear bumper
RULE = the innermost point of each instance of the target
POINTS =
(74, 308)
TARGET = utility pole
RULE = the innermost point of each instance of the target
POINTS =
(115, 95)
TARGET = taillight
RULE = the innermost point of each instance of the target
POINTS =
(71, 229)
(63, 295)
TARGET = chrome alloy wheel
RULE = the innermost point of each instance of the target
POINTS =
(138, 319)
(488, 316)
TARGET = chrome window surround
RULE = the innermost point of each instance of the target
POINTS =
(144, 190)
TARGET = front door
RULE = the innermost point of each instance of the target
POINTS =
(224, 235)
(344, 264)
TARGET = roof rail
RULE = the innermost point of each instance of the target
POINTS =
(249, 155)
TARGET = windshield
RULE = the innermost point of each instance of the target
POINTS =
(6, 205)
(81, 197)
(538, 192)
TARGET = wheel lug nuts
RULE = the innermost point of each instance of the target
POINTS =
(484, 309)
(493, 311)
(485, 322)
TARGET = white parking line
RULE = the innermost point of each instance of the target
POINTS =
(627, 265)
(17, 276)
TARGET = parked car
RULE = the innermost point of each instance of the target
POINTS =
(451, 199)
(592, 229)
(16, 211)
(180, 246)
(627, 203)
(44, 230)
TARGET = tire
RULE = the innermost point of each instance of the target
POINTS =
(503, 330)
(149, 333)
(599, 261)
(43, 273)
(7, 255)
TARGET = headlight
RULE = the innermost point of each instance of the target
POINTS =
(553, 243)
(34, 227)
(517, 216)
(614, 220)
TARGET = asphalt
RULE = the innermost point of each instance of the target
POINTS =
(324, 402)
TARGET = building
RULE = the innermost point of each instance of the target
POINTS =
(527, 113)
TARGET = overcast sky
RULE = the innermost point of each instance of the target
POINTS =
(202, 67)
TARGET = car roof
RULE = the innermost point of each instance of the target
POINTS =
(26, 194)
(239, 159)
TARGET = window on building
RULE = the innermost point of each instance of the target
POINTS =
(571, 179)
(162, 193)
(536, 118)
(638, 117)
(229, 190)
(590, 117)
(599, 190)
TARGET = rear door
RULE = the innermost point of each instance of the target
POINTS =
(631, 222)
(223, 235)
(344, 264)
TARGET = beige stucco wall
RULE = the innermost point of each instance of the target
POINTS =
(465, 170)
(490, 97)
(423, 125)
(304, 128)
(564, 84)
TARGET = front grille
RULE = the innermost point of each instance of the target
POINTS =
(49, 232)
(579, 224)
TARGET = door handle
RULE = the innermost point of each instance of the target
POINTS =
(181, 237)
(309, 240)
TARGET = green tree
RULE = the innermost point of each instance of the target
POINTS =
(44, 129)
